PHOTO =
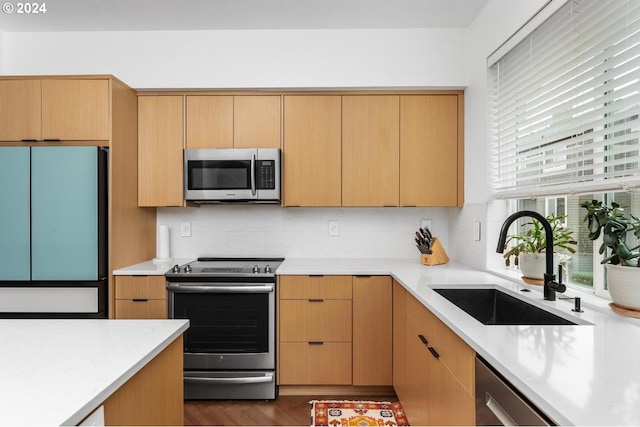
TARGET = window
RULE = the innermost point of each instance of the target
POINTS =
(564, 120)
(583, 270)
(564, 104)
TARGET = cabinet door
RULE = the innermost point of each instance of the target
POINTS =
(326, 363)
(315, 287)
(315, 320)
(209, 121)
(15, 213)
(429, 150)
(449, 401)
(370, 150)
(312, 151)
(64, 213)
(20, 110)
(415, 401)
(372, 330)
(256, 121)
(399, 341)
(160, 144)
(141, 308)
(75, 110)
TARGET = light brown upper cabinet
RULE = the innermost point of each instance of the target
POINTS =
(209, 121)
(370, 150)
(20, 110)
(430, 150)
(312, 150)
(160, 144)
(233, 121)
(54, 109)
(256, 121)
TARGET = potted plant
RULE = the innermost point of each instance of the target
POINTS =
(530, 243)
(614, 225)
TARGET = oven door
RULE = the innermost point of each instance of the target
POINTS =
(232, 325)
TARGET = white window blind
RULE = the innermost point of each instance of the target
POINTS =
(564, 104)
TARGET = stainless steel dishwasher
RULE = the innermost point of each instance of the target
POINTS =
(499, 403)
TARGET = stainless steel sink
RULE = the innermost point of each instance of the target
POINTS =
(494, 307)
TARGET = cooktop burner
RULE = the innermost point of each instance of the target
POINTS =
(205, 267)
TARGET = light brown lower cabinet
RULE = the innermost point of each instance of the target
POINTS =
(152, 397)
(315, 332)
(372, 331)
(315, 363)
(335, 330)
(140, 297)
(436, 368)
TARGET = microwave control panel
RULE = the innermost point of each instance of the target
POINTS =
(265, 175)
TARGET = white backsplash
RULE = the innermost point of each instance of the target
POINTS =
(262, 231)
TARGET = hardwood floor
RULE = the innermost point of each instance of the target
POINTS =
(284, 411)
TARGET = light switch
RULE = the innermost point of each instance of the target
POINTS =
(476, 231)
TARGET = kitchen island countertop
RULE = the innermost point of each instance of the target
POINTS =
(57, 371)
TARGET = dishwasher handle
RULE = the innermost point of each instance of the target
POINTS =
(498, 411)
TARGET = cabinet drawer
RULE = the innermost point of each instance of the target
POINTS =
(141, 309)
(315, 364)
(453, 351)
(143, 287)
(322, 320)
(315, 287)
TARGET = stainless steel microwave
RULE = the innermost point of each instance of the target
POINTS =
(226, 175)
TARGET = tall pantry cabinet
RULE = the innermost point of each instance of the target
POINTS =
(96, 111)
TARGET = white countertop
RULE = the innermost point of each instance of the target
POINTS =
(587, 374)
(151, 268)
(581, 375)
(57, 371)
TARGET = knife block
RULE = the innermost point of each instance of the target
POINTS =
(437, 255)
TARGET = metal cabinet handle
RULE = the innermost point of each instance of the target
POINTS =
(316, 300)
(423, 339)
(316, 342)
(434, 352)
(140, 299)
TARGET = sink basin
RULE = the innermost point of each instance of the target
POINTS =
(494, 307)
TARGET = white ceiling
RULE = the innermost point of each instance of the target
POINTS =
(175, 15)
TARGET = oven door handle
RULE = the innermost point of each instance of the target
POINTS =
(209, 289)
(238, 380)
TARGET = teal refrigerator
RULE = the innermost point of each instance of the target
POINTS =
(53, 232)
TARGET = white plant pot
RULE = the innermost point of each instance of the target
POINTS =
(624, 286)
(533, 266)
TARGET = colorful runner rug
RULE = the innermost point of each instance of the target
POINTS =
(356, 413)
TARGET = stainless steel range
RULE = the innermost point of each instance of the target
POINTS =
(229, 348)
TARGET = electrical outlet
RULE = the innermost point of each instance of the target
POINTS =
(334, 228)
(185, 229)
(425, 223)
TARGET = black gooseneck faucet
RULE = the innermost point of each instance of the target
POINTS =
(550, 284)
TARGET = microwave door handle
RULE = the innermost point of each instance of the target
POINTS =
(253, 174)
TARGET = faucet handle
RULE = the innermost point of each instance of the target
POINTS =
(560, 273)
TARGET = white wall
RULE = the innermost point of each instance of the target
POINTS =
(299, 232)
(248, 59)
(493, 26)
(2, 49)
